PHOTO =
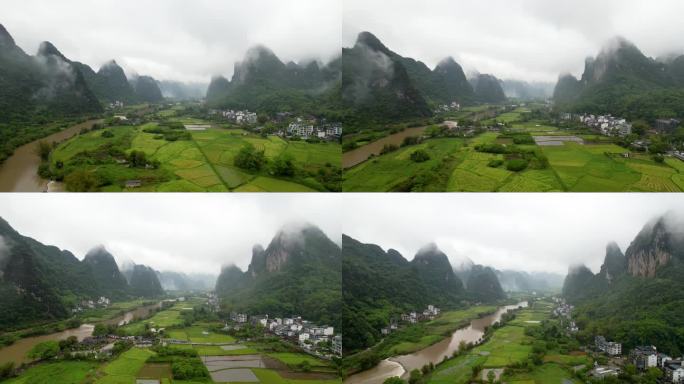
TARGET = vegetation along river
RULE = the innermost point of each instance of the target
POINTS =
(361, 154)
(18, 350)
(402, 365)
(19, 173)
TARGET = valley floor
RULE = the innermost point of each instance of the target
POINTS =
(202, 163)
(508, 351)
(597, 165)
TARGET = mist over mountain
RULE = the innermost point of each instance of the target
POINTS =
(143, 281)
(179, 281)
(634, 298)
(177, 90)
(622, 81)
(376, 82)
(523, 90)
(298, 273)
(380, 285)
(46, 83)
(487, 88)
(262, 82)
(41, 283)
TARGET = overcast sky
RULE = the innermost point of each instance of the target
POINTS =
(530, 232)
(181, 232)
(176, 39)
(522, 39)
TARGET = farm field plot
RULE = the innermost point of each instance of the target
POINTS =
(505, 347)
(199, 334)
(63, 372)
(456, 371)
(572, 167)
(544, 374)
(125, 367)
(203, 162)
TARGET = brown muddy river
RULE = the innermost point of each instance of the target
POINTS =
(19, 173)
(401, 365)
(359, 155)
(17, 351)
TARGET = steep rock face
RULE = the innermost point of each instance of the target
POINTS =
(435, 270)
(110, 281)
(298, 273)
(230, 280)
(144, 282)
(112, 84)
(578, 283)
(615, 263)
(146, 89)
(376, 82)
(488, 89)
(484, 285)
(650, 250)
(451, 83)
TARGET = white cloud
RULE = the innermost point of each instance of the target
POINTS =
(176, 39)
(532, 232)
(181, 232)
(523, 39)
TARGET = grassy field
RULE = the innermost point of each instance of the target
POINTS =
(267, 376)
(196, 334)
(593, 167)
(163, 319)
(544, 374)
(123, 369)
(63, 372)
(203, 163)
(297, 358)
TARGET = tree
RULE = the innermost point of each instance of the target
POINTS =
(394, 380)
(44, 350)
(7, 370)
(420, 156)
(249, 158)
(43, 150)
(81, 181)
(283, 166)
(491, 376)
(415, 377)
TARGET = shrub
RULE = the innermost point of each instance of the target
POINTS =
(249, 158)
(420, 156)
(495, 163)
(516, 165)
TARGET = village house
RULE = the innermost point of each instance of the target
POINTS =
(238, 317)
(609, 347)
(644, 357)
(337, 345)
(607, 124)
(674, 371)
(666, 125)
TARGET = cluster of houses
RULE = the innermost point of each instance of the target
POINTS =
(307, 335)
(607, 124)
(563, 311)
(101, 302)
(412, 318)
(643, 358)
(237, 117)
(452, 107)
(308, 129)
(115, 104)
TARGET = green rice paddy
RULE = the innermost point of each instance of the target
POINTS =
(204, 163)
(573, 167)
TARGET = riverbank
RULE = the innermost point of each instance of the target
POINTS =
(21, 341)
(19, 172)
(417, 344)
